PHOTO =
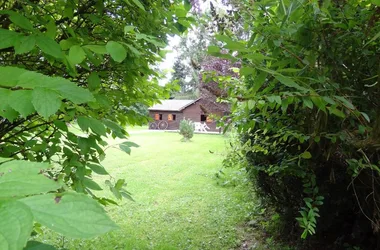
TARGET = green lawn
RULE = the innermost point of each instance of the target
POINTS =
(178, 203)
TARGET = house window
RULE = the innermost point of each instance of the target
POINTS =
(171, 117)
(158, 117)
(203, 118)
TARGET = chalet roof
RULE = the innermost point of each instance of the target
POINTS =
(173, 105)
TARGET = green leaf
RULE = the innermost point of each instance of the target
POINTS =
(69, 90)
(5, 110)
(277, 99)
(329, 100)
(98, 49)
(67, 44)
(273, 98)
(183, 22)
(128, 29)
(288, 70)
(116, 128)
(76, 54)
(307, 102)
(25, 44)
(345, 102)
(16, 224)
(187, 5)
(88, 183)
(307, 199)
(61, 125)
(213, 49)
(5, 159)
(126, 149)
(95, 125)
(45, 101)
(83, 123)
(4, 95)
(365, 116)
(49, 46)
(336, 112)
(319, 102)
(319, 198)
(12, 76)
(51, 29)
(150, 39)
(246, 71)
(180, 12)
(223, 38)
(251, 104)
(117, 51)
(289, 82)
(21, 101)
(127, 196)
(18, 19)
(373, 38)
(361, 129)
(35, 245)
(304, 234)
(126, 146)
(8, 38)
(259, 81)
(139, 4)
(73, 215)
(93, 81)
(134, 50)
(257, 57)
(306, 155)
(120, 183)
(83, 144)
(20, 178)
(8, 113)
(97, 169)
(236, 46)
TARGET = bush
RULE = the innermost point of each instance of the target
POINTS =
(308, 114)
(186, 129)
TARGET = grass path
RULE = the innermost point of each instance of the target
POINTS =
(178, 203)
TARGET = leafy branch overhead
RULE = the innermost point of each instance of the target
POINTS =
(64, 63)
(58, 211)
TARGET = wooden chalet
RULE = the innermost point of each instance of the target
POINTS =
(169, 113)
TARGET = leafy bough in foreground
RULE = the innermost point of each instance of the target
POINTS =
(27, 195)
(35, 192)
(67, 61)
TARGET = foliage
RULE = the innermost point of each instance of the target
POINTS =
(191, 52)
(193, 60)
(213, 92)
(306, 105)
(179, 75)
(186, 129)
(61, 61)
(21, 185)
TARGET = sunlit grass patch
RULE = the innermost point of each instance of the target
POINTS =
(178, 203)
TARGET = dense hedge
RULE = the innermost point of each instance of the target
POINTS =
(306, 104)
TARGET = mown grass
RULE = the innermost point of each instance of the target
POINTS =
(178, 203)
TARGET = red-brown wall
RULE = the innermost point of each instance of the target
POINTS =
(192, 112)
(172, 125)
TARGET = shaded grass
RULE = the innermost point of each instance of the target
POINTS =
(178, 204)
